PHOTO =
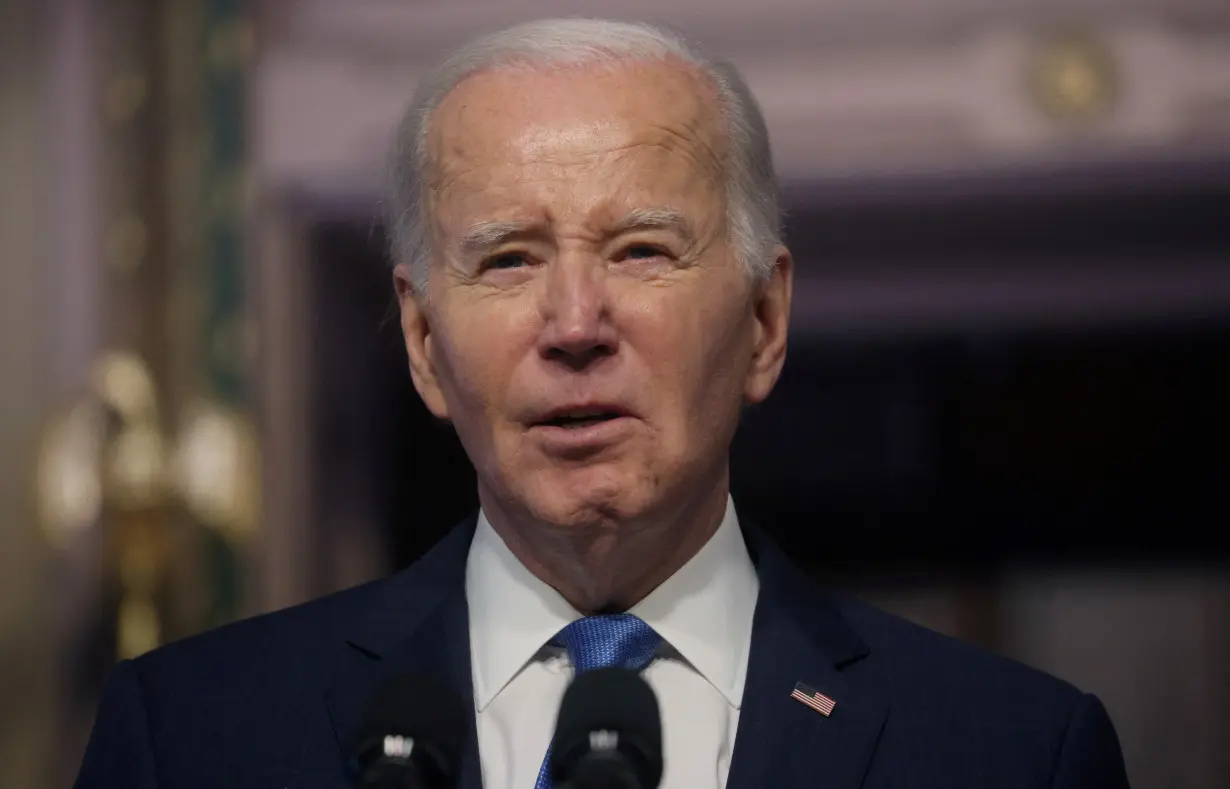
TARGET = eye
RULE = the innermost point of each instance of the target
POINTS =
(508, 260)
(643, 252)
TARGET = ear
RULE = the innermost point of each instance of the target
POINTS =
(772, 316)
(416, 330)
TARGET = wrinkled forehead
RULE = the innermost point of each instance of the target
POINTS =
(568, 115)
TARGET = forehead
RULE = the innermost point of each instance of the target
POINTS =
(651, 125)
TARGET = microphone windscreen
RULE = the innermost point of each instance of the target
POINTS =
(610, 709)
(416, 708)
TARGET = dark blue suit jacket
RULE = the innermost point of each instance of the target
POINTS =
(266, 702)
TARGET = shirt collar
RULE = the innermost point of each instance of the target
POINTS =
(704, 611)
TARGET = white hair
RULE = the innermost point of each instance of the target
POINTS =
(753, 213)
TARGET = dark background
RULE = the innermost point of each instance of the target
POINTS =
(950, 451)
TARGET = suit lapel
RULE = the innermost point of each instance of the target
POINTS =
(420, 623)
(797, 636)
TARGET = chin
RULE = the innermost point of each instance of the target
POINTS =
(589, 497)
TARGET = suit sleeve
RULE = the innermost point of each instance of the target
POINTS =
(119, 755)
(1090, 757)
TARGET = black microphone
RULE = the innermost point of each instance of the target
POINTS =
(608, 734)
(411, 737)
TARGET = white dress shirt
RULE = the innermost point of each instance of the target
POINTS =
(703, 613)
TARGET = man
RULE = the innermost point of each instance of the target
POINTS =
(592, 285)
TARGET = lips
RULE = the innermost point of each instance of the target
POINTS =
(582, 433)
(580, 416)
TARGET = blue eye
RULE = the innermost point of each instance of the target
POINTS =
(511, 260)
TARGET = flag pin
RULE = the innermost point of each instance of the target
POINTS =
(813, 698)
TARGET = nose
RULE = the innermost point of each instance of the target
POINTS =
(578, 330)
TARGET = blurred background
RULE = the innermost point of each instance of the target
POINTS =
(1005, 415)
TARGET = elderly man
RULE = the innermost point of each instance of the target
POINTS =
(592, 285)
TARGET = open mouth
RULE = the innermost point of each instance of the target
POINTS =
(574, 420)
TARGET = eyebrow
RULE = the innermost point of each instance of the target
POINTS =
(484, 235)
(661, 218)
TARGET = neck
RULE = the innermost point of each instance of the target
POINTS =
(611, 565)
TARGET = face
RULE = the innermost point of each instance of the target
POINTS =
(588, 329)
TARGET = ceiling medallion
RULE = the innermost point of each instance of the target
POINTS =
(1073, 77)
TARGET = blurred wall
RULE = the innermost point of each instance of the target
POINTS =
(27, 665)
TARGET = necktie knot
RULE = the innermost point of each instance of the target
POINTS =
(608, 640)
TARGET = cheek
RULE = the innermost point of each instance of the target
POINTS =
(698, 352)
(468, 376)
(481, 349)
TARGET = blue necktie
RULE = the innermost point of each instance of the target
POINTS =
(602, 642)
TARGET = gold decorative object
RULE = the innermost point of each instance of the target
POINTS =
(217, 469)
(68, 477)
(1074, 77)
(165, 497)
(107, 457)
(123, 381)
(139, 629)
(136, 464)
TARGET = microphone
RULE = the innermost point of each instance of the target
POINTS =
(411, 737)
(608, 734)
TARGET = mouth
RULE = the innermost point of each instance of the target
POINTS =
(580, 418)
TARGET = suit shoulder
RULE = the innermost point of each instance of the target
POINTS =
(300, 634)
(939, 670)
(307, 635)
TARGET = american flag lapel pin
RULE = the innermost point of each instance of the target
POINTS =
(813, 698)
